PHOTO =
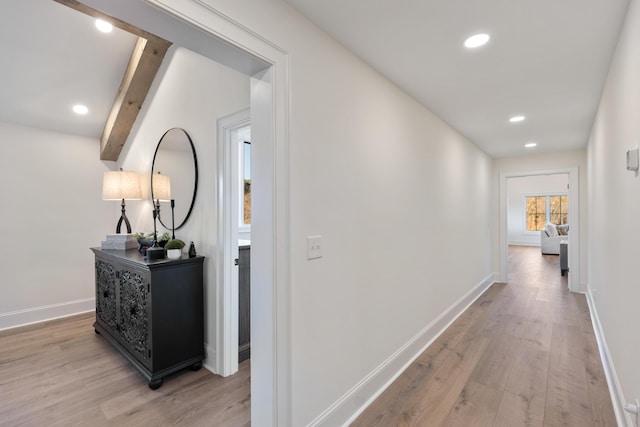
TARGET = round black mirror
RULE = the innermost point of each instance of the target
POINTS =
(175, 157)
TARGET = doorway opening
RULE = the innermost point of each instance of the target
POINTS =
(234, 235)
(215, 36)
(545, 196)
(538, 215)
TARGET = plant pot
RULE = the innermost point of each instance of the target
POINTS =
(174, 253)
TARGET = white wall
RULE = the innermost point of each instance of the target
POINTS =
(52, 213)
(614, 210)
(190, 92)
(518, 189)
(390, 188)
(540, 162)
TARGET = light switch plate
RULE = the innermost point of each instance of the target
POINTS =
(314, 247)
(632, 160)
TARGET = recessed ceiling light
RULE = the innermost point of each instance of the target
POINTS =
(530, 145)
(103, 26)
(516, 119)
(476, 40)
(80, 109)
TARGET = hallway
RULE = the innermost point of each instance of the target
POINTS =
(524, 354)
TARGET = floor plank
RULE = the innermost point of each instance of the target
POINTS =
(434, 402)
(516, 410)
(524, 354)
(476, 406)
(60, 373)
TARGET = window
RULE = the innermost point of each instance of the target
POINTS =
(558, 212)
(242, 155)
(543, 209)
(246, 184)
(536, 212)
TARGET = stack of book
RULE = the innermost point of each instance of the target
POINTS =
(121, 242)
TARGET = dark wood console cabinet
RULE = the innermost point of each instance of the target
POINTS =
(151, 311)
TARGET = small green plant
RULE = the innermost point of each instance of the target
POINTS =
(174, 244)
(149, 236)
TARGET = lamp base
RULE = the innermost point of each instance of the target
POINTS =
(120, 242)
(155, 252)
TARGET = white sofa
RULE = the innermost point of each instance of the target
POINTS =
(550, 237)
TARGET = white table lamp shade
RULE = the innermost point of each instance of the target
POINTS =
(118, 185)
(161, 187)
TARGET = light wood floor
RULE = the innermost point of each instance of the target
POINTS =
(61, 373)
(524, 354)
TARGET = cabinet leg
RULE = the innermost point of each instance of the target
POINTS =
(96, 331)
(155, 384)
(196, 366)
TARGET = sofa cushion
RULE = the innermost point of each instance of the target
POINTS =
(563, 229)
(551, 230)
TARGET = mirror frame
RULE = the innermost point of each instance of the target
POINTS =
(195, 185)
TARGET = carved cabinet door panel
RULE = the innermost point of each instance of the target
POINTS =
(135, 313)
(106, 280)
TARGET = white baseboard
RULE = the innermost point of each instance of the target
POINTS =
(356, 400)
(583, 288)
(14, 319)
(524, 243)
(615, 389)
(209, 358)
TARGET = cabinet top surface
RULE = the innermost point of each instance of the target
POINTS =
(133, 256)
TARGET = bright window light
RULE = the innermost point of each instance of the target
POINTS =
(476, 40)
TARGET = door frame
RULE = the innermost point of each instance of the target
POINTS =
(227, 271)
(230, 43)
(574, 222)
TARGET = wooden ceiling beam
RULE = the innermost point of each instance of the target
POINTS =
(146, 58)
(145, 61)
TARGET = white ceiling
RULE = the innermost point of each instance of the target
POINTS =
(547, 60)
(52, 58)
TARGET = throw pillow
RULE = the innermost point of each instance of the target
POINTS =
(563, 229)
(551, 230)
